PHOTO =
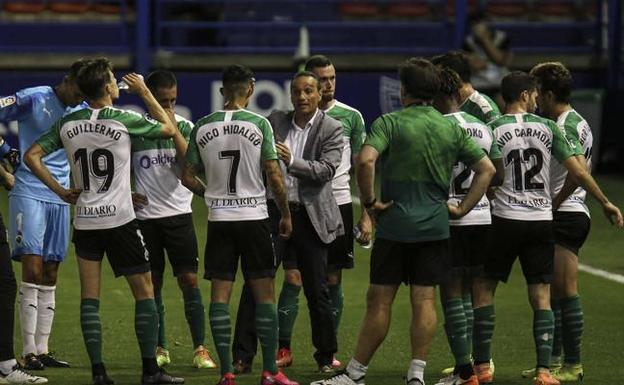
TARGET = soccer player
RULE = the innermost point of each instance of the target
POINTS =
(166, 220)
(469, 235)
(522, 219)
(97, 140)
(341, 250)
(233, 146)
(10, 371)
(470, 100)
(571, 220)
(38, 218)
(418, 148)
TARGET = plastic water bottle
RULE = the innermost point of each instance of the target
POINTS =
(357, 233)
(124, 86)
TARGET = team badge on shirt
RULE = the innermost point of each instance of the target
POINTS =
(7, 101)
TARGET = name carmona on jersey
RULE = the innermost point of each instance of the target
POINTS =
(230, 129)
(525, 132)
(97, 128)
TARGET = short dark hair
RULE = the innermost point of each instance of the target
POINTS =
(457, 61)
(450, 83)
(93, 78)
(515, 83)
(76, 66)
(554, 77)
(236, 78)
(310, 74)
(420, 78)
(317, 61)
(160, 79)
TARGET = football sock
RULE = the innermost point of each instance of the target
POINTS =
(416, 370)
(467, 302)
(8, 290)
(45, 317)
(484, 319)
(219, 315)
(91, 328)
(455, 318)
(543, 329)
(146, 326)
(356, 370)
(28, 293)
(557, 336)
(287, 310)
(160, 309)
(572, 322)
(266, 327)
(6, 367)
(337, 301)
(194, 312)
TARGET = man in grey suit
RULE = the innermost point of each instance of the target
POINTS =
(309, 144)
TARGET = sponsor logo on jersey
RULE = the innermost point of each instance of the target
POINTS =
(7, 101)
(150, 119)
(96, 211)
(158, 160)
(234, 202)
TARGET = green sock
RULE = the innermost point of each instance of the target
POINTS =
(543, 329)
(287, 310)
(91, 328)
(455, 319)
(266, 327)
(467, 302)
(572, 321)
(337, 302)
(194, 312)
(160, 309)
(484, 319)
(557, 336)
(219, 315)
(146, 326)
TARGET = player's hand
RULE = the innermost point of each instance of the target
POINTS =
(285, 227)
(139, 201)
(365, 225)
(135, 83)
(480, 31)
(13, 157)
(377, 209)
(8, 180)
(70, 195)
(455, 210)
(613, 214)
(283, 152)
(171, 114)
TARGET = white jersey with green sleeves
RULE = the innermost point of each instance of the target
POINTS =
(527, 143)
(157, 175)
(97, 143)
(231, 146)
(462, 175)
(353, 137)
(578, 131)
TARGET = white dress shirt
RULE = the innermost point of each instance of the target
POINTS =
(296, 141)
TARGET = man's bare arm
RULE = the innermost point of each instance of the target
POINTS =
(190, 180)
(484, 171)
(275, 179)
(33, 159)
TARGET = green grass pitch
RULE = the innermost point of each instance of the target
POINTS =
(513, 344)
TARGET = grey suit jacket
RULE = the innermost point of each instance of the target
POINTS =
(321, 157)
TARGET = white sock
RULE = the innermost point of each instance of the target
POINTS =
(417, 370)
(28, 316)
(45, 316)
(356, 370)
(6, 367)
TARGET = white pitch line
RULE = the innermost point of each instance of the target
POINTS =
(582, 267)
(602, 273)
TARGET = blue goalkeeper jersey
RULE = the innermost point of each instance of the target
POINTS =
(36, 109)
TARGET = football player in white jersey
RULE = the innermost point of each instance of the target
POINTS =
(571, 220)
(522, 219)
(166, 219)
(97, 143)
(469, 234)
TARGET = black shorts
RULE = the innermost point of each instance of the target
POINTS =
(469, 249)
(123, 245)
(176, 235)
(341, 249)
(251, 240)
(571, 229)
(418, 263)
(531, 241)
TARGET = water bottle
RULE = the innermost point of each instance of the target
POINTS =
(357, 233)
(124, 86)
